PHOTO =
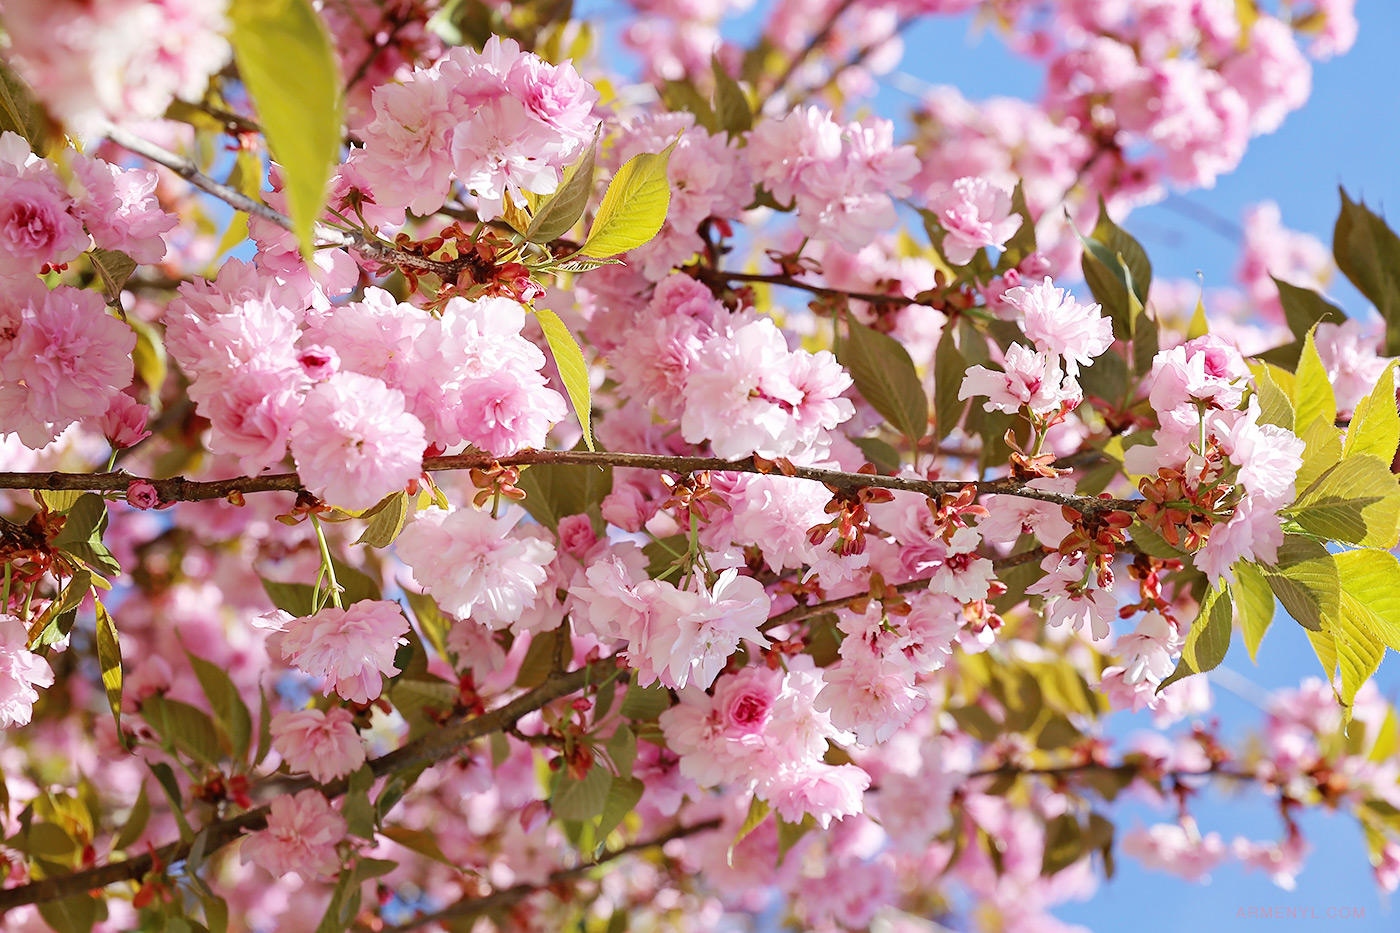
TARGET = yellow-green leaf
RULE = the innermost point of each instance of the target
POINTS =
(562, 209)
(1322, 449)
(385, 521)
(1313, 398)
(1375, 426)
(1275, 407)
(758, 812)
(572, 369)
(1357, 500)
(1254, 605)
(114, 267)
(1199, 326)
(634, 206)
(288, 67)
(109, 658)
(1372, 580)
(1359, 652)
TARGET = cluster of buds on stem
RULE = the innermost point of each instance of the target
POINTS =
(1181, 512)
(852, 520)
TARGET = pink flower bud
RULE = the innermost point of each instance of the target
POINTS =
(124, 423)
(142, 495)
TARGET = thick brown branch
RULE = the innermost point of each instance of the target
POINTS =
(427, 750)
(179, 489)
(507, 897)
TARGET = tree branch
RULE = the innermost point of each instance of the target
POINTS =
(179, 489)
(366, 246)
(724, 277)
(428, 750)
(507, 897)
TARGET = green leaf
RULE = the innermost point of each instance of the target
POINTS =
(1359, 652)
(1368, 253)
(224, 699)
(790, 834)
(149, 357)
(1146, 342)
(288, 66)
(114, 267)
(1117, 270)
(434, 623)
(622, 749)
(1064, 844)
(645, 704)
(1306, 581)
(1198, 326)
(419, 840)
(135, 823)
(733, 113)
(1209, 637)
(296, 598)
(1372, 580)
(885, 377)
(880, 454)
(758, 813)
(540, 657)
(558, 490)
(581, 799)
(1322, 449)
(558, 213)
(188, 729)
(76, 914)
(109, 659)
(1254, 604)
(634, 206)
(356, 808)
(1313, 398)
(58, 618)
(572, 369)
(1304, 308)
(684, 96)
(1357, 500)
(385, 521)
(165, 775)
(20, 113)
(623, 796)
(949, 367)
(1375, 425)
(1022, 242)
(1275, 407)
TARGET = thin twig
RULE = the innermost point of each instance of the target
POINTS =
(506, 897)
(370, 247)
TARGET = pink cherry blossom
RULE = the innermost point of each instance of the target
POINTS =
(20, 673)
(301, 836)
(348, 648)
(325, 745)
(354, 443)
(1031, 379)
(1059, 324)
(474, 565)
(975, 213)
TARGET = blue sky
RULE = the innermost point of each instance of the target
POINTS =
(1346, 134)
